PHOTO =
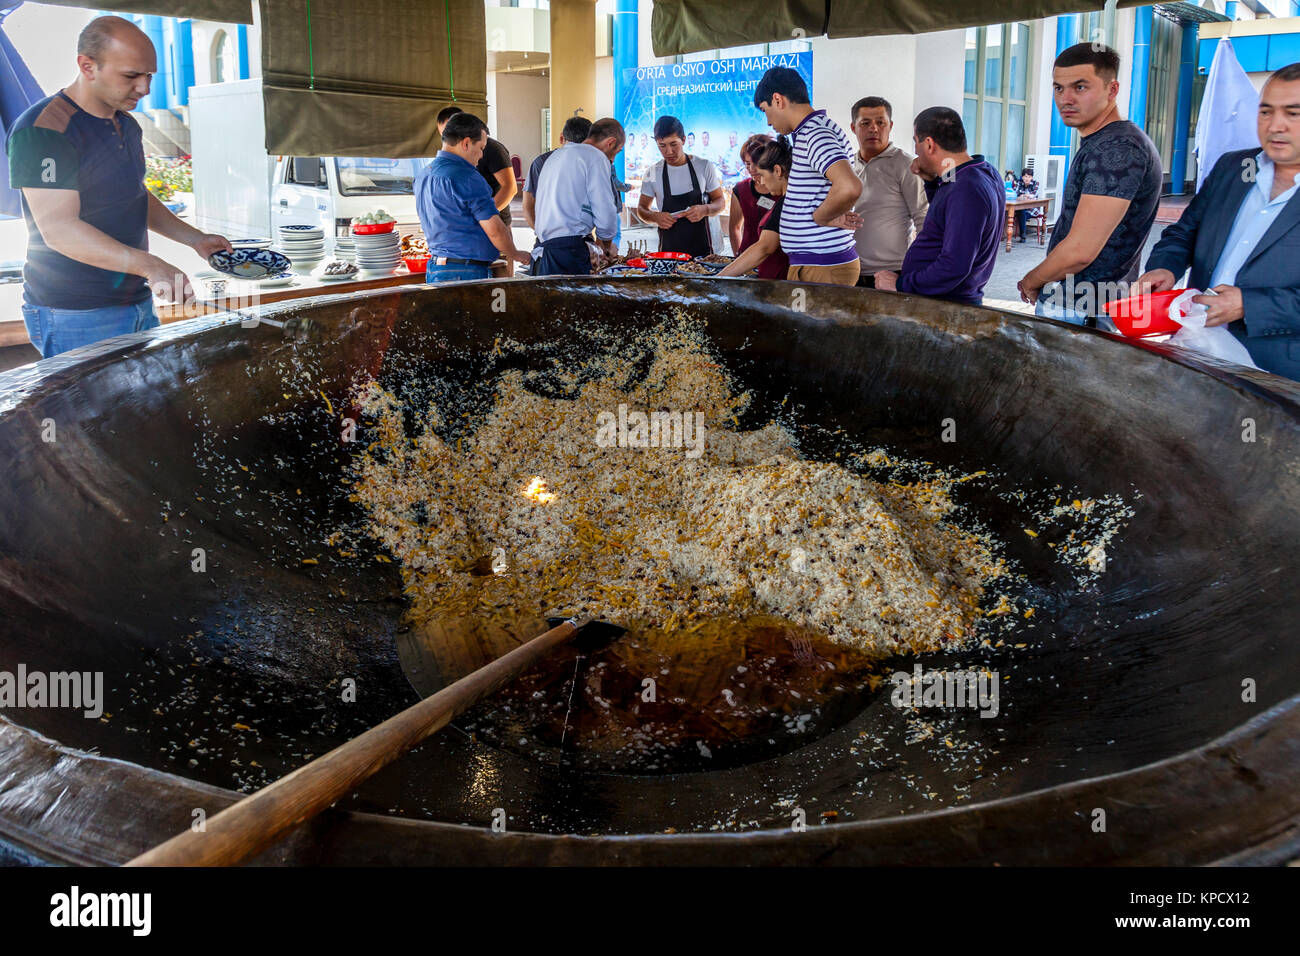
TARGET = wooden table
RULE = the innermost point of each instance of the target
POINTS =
(1016, 205)
(14, 332)
(173, 312)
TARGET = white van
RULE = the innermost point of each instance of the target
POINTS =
(330, 192)
(242, 192)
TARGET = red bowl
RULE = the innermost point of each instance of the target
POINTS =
(682, 256)
(416, 266)
(372, 228)
(636, 263)
(1142, 315)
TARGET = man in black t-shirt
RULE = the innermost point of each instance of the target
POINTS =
(495, 167)
(1111, 194)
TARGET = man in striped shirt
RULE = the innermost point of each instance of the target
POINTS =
(817, 218)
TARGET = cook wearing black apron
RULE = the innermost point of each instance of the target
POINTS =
(684, 236)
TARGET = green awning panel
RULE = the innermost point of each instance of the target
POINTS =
(223, 11)
(885, 17)
(368, 79)
(688, 26)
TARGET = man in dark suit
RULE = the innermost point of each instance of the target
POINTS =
(1241, 236)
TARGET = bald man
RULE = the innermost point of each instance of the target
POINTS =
(78, 157)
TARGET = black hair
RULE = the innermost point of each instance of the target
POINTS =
(447, 112)
(666, 126)
(1287, 74)
(783, 80)
(943, 125)
(462, 126)
(1026, 172)
(576, 129)
(775, 153)
(1099, 56)
(871, 103)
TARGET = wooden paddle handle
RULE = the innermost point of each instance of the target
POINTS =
(258, 820)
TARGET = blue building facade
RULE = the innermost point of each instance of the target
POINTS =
(224, 56)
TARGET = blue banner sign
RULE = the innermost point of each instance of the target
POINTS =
(714, 99)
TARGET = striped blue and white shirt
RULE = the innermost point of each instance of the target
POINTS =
(817, 144)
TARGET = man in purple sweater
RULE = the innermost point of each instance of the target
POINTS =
(952, 256)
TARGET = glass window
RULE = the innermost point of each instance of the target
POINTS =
(1015, 154)
(990, 139)
(1019, 59)
(995, 104)
(1162, 80)
(377, 177)
(993, 61)
(219, 58)
(972, 59)
(291, 170)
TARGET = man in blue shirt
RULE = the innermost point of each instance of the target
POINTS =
(459, 218)
(1241, 236)
(78, 158)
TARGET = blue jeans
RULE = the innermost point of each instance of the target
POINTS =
(54, 331)
(453, 272)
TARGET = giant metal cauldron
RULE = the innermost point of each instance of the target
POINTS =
(212, 436)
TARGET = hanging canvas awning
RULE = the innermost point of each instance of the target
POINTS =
(689, 26)
(343, 78)
(223, 11)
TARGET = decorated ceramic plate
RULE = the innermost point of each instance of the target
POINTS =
(249, 263)
(283, 279)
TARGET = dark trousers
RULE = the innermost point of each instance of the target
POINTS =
(563, 256)
(1279, 354)
(867, 281)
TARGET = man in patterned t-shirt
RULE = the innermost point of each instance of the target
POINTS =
(78, 158)
(1111, 194)
(817, 215)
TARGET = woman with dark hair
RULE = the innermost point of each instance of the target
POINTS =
(771, 171)
(750, 202)
(688, 190)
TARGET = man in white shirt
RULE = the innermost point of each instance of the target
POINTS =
(574, 196)
(893, 201)
(688, 191)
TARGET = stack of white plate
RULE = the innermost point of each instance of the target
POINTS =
(304, 245)
(345, 248)
(378, 253)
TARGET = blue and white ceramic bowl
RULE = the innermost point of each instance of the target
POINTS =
(249, 263)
